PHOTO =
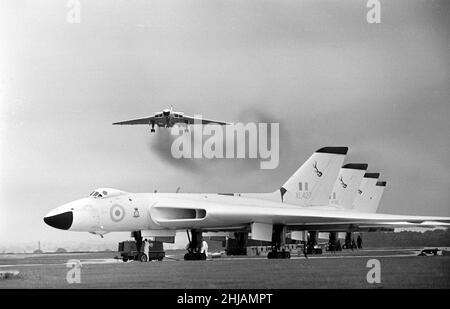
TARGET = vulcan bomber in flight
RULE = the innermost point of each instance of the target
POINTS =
(167, 118)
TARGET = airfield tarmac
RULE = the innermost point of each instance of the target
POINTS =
(400, 268)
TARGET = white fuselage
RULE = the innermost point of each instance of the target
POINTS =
(151, 211)
(213, 212)
(301, 203)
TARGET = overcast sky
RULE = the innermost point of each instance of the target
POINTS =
(318, 68)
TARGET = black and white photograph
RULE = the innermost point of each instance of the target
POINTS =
(199, 147)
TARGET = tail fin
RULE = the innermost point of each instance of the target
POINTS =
(379, 190)
(366, 200)
(312, 183)
(347, 184)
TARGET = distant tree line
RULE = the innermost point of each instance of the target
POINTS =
(406, 239)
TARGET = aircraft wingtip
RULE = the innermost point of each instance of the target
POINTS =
(381, 183)
(372, 175)
(356, 166)
(333, 150)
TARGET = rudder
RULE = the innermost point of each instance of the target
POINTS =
(347, 184)
(313, 182)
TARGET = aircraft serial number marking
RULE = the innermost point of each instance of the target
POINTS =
(304, 195)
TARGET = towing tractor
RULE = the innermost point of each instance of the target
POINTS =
(128, 251)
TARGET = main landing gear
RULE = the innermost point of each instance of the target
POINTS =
(194, 247)
(153, 127)
(349, 241)
(278, 240)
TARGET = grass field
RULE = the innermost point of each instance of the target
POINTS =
(349, 271)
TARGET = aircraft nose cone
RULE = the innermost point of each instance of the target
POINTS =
(62, 221)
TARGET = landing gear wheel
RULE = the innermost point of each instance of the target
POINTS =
(194, 256)
(160, 259)
(143, 257)
(152, 130)
(125, 259)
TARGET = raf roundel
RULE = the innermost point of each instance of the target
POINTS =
(117, 213)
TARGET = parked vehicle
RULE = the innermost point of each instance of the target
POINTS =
(128, 251)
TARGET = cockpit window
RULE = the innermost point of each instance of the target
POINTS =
(106, 193)
(95, 194)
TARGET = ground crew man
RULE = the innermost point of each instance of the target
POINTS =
(204, 248)
(146, 247)
(359, 242)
